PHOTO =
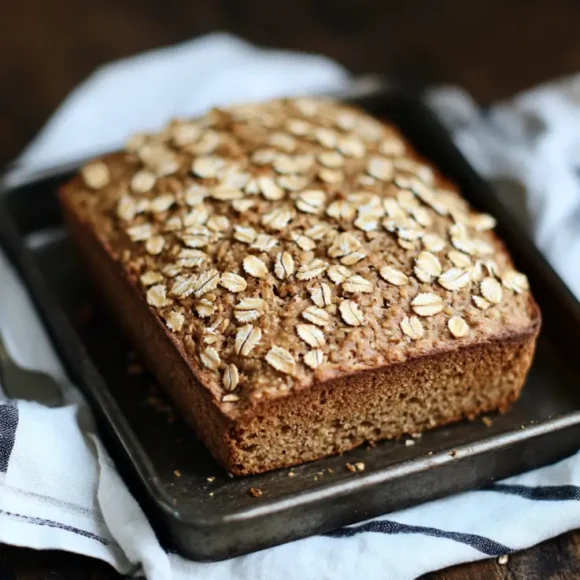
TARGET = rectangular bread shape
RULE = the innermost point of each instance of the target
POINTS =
(301, 281)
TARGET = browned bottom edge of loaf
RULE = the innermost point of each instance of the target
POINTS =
(328, 418)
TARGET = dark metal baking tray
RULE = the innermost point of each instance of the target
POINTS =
(168, 470)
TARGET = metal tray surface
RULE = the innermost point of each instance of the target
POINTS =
(168, 469)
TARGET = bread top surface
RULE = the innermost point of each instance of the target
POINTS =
(291, 242)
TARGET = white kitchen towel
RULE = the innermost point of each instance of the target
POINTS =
(532, 140)
(58, 487)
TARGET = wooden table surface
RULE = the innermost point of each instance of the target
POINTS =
(491, 47)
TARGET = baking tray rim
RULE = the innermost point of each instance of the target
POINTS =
(411, 466)
(76, 359)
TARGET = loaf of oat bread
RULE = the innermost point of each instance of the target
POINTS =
(300, 280)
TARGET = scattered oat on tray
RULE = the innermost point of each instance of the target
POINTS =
(354, 467)
(487, 421)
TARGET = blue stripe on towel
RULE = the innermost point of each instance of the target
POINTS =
(8, 425)
(480, 543)
(538, 493)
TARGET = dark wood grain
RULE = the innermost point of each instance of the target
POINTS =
(556, 559)
(492, 47)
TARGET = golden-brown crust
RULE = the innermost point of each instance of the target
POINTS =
(263, 428)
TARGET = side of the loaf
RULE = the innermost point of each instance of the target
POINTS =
(384, 403)
(194, 402)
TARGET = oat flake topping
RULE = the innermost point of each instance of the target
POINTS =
(282, 241)
(281, 360)
(314, 358)
(412, 327)
(96, 175)
(458, 327)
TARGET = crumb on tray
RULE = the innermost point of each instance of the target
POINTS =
(486, 421)
(353, 468)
